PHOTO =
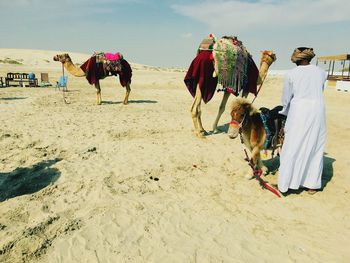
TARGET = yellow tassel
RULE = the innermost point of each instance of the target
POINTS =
(264, 154)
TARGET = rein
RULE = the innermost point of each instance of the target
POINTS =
(257, 174)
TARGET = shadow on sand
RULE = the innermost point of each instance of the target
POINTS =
(130, 102)
(220, 129)
(28, 180)
(327, 172)
(14, 98)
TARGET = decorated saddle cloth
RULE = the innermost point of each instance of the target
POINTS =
(231, 64)
(111, 61)
(272, 121)
(100, 65)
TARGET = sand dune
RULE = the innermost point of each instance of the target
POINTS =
(115, 183)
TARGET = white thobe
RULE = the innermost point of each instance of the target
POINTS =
(301, 160)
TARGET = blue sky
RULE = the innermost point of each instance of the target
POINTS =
(167, 33)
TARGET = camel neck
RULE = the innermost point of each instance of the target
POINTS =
(74, 70)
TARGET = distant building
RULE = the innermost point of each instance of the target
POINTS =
(338, 77)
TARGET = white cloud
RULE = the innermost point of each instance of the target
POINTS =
(43, 10)
(61, 3)
(236, 16)
(187, 35)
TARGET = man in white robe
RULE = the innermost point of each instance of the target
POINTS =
(301, 160)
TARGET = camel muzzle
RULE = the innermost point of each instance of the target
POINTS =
(232, 132)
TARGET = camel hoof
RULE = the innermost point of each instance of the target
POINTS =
(125, 102)
(204, 132)
(201, 134)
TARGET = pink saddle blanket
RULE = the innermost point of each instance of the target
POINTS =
(111, 56)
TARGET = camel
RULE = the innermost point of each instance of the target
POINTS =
(94, 72)
(267, 58)
(247, 121)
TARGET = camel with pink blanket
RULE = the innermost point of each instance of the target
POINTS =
(100, 66)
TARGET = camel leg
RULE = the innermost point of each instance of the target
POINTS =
(196, 113)
(256, 159)
(221, 110)
(128, 89)
(98, 93)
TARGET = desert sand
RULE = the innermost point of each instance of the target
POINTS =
(131, 183)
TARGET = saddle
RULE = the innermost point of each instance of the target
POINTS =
(111, 62)
(274, 127)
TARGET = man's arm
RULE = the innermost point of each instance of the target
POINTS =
(287, 95)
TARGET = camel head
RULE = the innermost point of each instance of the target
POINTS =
(268, 57)
(241, 109)
(63, 58)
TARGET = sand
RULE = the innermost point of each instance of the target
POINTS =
(131, 183)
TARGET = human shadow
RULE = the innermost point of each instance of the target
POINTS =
(130, 102)
(272, 164)
(14, 98)
(28, 180)
(327, 174)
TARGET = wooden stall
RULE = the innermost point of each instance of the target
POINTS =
(341, 73)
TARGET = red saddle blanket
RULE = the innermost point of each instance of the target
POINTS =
(201, 72)
(96, 71)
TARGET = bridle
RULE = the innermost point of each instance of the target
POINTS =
(237, 123)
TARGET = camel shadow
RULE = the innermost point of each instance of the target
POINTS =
(28, 180)
(327, 172)
(220, 129)
(130, 102)
(14, 98)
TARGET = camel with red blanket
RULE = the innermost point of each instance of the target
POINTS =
(100, 66)
(202, 78)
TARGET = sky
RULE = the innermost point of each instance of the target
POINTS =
(167, 33)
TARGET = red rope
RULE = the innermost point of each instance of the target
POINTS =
(257, 175)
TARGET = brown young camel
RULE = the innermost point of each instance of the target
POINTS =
(247, 120)
(267, 58)
(95, 71)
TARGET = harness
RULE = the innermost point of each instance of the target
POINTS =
(265, 118)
